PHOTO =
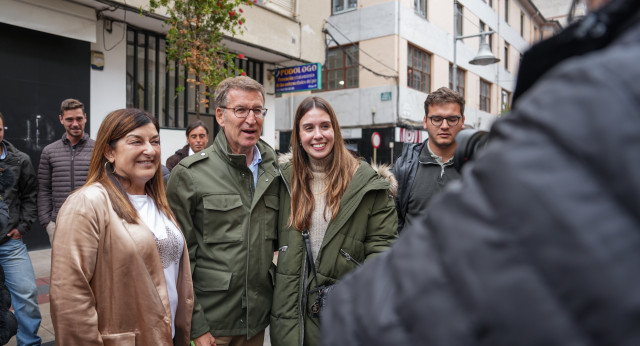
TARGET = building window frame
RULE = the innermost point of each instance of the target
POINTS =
(419, 69)
(151, 80)
(506, 11)
(505, 102)
(462, 77)
(342, 68)
(506, 56)
(483, 28)
(485, 96)
(341, 6)
(420, 7)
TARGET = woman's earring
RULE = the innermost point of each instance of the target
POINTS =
(113, 169)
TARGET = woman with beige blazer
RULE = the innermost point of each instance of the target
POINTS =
(120, 269)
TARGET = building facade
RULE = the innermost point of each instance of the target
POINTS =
(109, 56)
(380, 58)
(384, 57)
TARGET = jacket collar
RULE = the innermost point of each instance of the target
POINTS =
(82, 140)
(267, 166)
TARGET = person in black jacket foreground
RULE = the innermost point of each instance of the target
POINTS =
(538, 243)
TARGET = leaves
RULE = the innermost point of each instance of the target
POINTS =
(194, 39)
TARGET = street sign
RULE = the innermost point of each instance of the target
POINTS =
(385, 96)
(375, 140)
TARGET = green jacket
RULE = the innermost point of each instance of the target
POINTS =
(230, 229)
(366, 224)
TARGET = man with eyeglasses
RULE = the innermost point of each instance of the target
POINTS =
(424, 169)
(225, 199)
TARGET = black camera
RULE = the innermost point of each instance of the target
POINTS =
(469, 141)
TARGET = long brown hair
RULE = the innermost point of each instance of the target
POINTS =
(116, 125)
(342, 167)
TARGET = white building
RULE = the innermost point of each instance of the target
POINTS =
(384, 56)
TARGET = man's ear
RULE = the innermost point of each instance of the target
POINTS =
(220, 116)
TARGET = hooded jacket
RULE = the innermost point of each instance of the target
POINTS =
(62, 169)
(21, 198)
(366, 225)
(230, 229)
(538, 243)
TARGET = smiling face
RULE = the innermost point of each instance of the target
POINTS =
(198, 139)
(242, 133)
(316, 133)
(136, 156)
(73, 121)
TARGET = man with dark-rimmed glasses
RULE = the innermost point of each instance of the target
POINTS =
(423, 169)
(225, 199)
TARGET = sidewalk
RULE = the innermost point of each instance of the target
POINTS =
(41, 260)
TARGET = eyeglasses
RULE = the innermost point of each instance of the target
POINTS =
(452, 120)
(243, 112)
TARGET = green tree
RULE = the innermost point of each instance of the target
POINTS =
(194, 40)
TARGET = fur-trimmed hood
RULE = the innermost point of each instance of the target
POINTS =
(383, 170)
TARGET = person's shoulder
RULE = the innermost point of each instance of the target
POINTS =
(89, 142)
(55, 145)
(201, 156)
(95, 194)
(15, 152)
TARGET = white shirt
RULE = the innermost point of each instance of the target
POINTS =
(169, 242)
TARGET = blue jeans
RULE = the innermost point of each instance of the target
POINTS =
(21, 281)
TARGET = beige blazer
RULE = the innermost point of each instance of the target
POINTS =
(107, 281)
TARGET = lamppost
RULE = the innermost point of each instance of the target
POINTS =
(484, 56)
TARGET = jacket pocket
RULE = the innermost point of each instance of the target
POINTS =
(120, 339)
(223, 218)
(210, 280)
(272, 204)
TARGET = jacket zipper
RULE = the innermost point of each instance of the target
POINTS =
(73, 175)
(348, 257)
(303, 301)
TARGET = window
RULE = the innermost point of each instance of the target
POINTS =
(460, 77)
(340, 6)
(521, 23)
(342, 70)
(418, 69)
(152, 80)
(506, 101)
(421, 7)
(506, 56)
(458, 17)
(485, 96)
(506, 11)
(488, 2)
(489, 38)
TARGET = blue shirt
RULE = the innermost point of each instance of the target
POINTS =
(257, 159)
(3, 154)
